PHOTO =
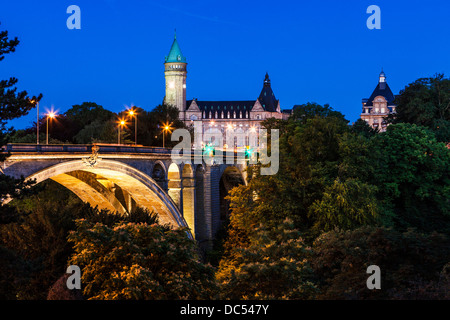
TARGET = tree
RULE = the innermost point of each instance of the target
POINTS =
(302, 113)
(158, 117)
(37, 238)
(406, 260)
(426, 102)
(273, 266)
(139, 261)
(319, 159)
(345, 204)
(363, 128)
(88, 112)
(13, 104)
(412, 173)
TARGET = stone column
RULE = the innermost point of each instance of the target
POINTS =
(175, 192)
(188, 191)
(211, 201)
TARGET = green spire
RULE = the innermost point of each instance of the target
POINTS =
(175, 54)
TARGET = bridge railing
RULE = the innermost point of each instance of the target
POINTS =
(236, 155)
(74, 148)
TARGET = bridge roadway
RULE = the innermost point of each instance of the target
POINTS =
(122, 177)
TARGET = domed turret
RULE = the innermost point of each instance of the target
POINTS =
(175, 74)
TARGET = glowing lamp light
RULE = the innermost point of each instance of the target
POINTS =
(209, 149)
(248, 151)
(51, 115)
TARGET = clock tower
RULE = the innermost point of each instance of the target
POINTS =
(175, 74)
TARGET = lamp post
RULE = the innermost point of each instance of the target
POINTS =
(133, 113)
(121, 124)
(166, 127)
(50, 115)
(37, 121)
(164, 134)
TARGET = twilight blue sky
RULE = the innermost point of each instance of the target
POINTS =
(314, 51)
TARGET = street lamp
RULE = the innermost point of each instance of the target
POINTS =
(50, 115)
(37, 122)
(121, 125)
(166, 127)
(133, 113)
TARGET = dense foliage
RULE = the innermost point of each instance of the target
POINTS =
(139, 261)
(358, 197)
(426, 102)
(413, 265)
(274, 265)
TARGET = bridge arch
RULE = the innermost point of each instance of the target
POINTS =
(159, 174)
(142, 190)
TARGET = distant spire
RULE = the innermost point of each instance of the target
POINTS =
(266, 80)
(382, 76)
(175, 37)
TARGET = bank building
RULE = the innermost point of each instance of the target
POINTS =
(242, 117)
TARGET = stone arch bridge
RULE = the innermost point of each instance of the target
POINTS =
(120, 178)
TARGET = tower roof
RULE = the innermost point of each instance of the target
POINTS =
(175, 54)
(382, 89)
(267, 97)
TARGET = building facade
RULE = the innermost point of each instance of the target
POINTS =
(379, 105)
(243, 117)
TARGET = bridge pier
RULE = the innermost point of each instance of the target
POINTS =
(211, 203)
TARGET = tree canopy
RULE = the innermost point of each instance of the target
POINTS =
(426, 102)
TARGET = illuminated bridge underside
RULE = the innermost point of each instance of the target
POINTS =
(94, 189)
(114, 186)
